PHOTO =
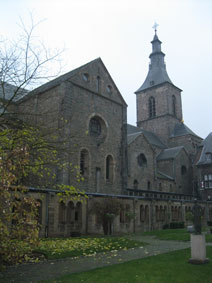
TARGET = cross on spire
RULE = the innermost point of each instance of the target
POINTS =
(155, 26)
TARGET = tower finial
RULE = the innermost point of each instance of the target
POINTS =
(155, 27)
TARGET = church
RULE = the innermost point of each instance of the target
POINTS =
(154, 170)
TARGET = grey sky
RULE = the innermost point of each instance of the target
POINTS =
(120, 32)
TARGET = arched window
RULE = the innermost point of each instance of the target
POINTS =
(122, 214)
(160, 187)
(146, 213)
(152, 110)
(135, 184)
(183, 170)
(78, 213)
(62, 209)
(142, 161)
(84, 163)
(149, 185)
(70, 212)
(142, 213)
(98, 83)
(109, 168)
(173, 105)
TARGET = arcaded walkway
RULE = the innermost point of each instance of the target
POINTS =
(56, 268)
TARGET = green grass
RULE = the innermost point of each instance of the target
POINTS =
(174, 234)
(73, 247)
(172, 267)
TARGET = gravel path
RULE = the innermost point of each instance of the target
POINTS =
(27, 273)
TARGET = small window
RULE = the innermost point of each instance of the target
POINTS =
(135, 184)
(85, 77)
(109, 168)
(95, 126)
(208, 156)
(174, 105)
(84, 162)
(141, 159)
(109, 88)
(98, 84)
(183, 170)
(152, 83)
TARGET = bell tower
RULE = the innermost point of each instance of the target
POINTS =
(158, 100)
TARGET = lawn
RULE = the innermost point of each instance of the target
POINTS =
(83, 246)
(173, 234)
(165, 268)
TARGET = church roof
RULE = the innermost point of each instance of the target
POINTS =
(206, 155)
(133, 132)
(157, 68)
(181, 129)
(164, 176)
(169, 153)
(7, 91)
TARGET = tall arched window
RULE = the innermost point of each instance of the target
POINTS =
(152, 109)
(70, 212)
(78, 212)
(173, 105)
(62, 209)
(135, 184)
(109, 168)
(142, 213)
(84, 163)
(149, 185)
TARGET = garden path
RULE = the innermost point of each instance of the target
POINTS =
(30, 273)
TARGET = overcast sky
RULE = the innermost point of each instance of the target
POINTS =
(120, 31)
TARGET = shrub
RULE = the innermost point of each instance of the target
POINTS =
(209, 223)
(176, 225)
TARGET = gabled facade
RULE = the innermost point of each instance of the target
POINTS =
(89, 113)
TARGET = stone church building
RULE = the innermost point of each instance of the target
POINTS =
(155, 169)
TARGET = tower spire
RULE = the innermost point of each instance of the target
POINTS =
(157, 68)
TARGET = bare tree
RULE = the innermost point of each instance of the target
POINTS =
(24, 64)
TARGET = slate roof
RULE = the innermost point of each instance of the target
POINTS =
(157, 73)
(133, 132)
(169, 153)
(207, 149)
(7, 91)
(181, 129)
(164, 176)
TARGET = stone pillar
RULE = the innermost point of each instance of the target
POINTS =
(198, 249)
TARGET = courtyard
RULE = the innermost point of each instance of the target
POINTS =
(156, 256)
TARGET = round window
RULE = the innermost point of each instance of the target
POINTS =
(95, 127)
(141, 160)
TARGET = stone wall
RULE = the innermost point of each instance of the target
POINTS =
(73, 218)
